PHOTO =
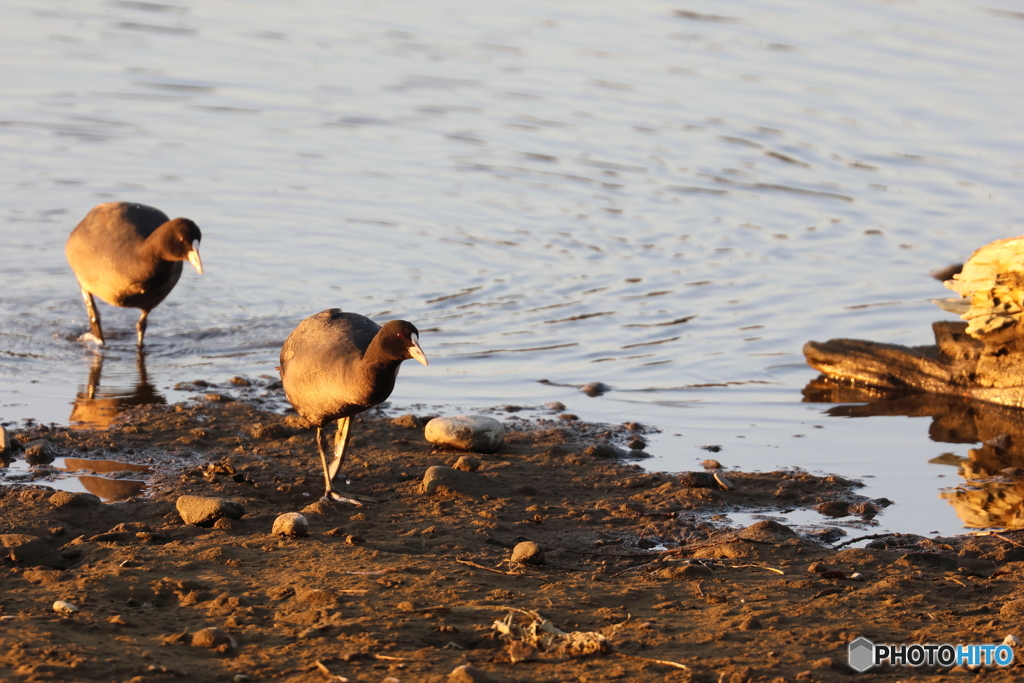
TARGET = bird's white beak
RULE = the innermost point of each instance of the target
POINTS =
(193, 258)
(416, 352)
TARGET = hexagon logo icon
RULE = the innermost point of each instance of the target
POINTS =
(862, 654)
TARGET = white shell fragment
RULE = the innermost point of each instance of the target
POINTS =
(64, 607)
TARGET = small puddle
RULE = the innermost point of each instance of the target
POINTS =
(109, 479)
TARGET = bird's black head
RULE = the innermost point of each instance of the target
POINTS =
(179, 241)
(400, 340)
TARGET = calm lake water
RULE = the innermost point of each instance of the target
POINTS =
(668, 197)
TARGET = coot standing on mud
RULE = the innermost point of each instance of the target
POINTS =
(335, 365)
(129, 255)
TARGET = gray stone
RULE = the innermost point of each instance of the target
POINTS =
(64, 607)
(408, 421)
(604, 449)
(767, 531)
(528, 552)
(29, 551)
(205, 510)
(40, 452)
(62, 499)
(466, 432)
(466, 463)
(595, 388)
(211, 637)
(291, 524)
(441, 479)
(469, 674)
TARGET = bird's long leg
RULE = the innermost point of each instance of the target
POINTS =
(141, 325)
(96, 332)
(329, 492)
(340, 443)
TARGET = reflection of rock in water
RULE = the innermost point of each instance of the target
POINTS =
(111, 490)
(96, 407)
(989, 503)
(108, 489)
(988, 498)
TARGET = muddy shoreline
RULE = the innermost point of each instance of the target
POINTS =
(409, 588)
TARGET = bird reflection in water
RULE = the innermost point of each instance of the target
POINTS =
(96, 407)
(992, 494)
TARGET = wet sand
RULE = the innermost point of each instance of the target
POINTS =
(409, 588)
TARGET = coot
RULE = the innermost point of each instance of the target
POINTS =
(129, 255)
(335, 365)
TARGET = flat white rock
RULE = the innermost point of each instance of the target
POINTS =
(466, 432)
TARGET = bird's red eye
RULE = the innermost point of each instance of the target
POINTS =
(400, 335)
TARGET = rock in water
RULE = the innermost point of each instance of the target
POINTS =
(291, 524)
(466, 432)
(39, 452)
(205, 510)
(5, 441)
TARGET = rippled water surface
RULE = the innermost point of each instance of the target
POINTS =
(668, 197)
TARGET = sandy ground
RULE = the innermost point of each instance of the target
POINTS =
(410, 588)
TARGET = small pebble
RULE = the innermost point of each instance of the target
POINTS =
(212, 637)
(723, 482)
(1011, 640)
(64, 607)
(469, 674)
(5, 441)
(595, 388)
(467, 463)
(528, 552)
(205, 510)
(856, 576)
(711, 464)
(291, 524)
(556, 406)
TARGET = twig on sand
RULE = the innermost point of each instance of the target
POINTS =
(480, 566)
(663, 662)
(869, 537)
(1008, 540)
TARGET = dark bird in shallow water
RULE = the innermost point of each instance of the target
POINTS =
(335, 365)
(129, 255)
